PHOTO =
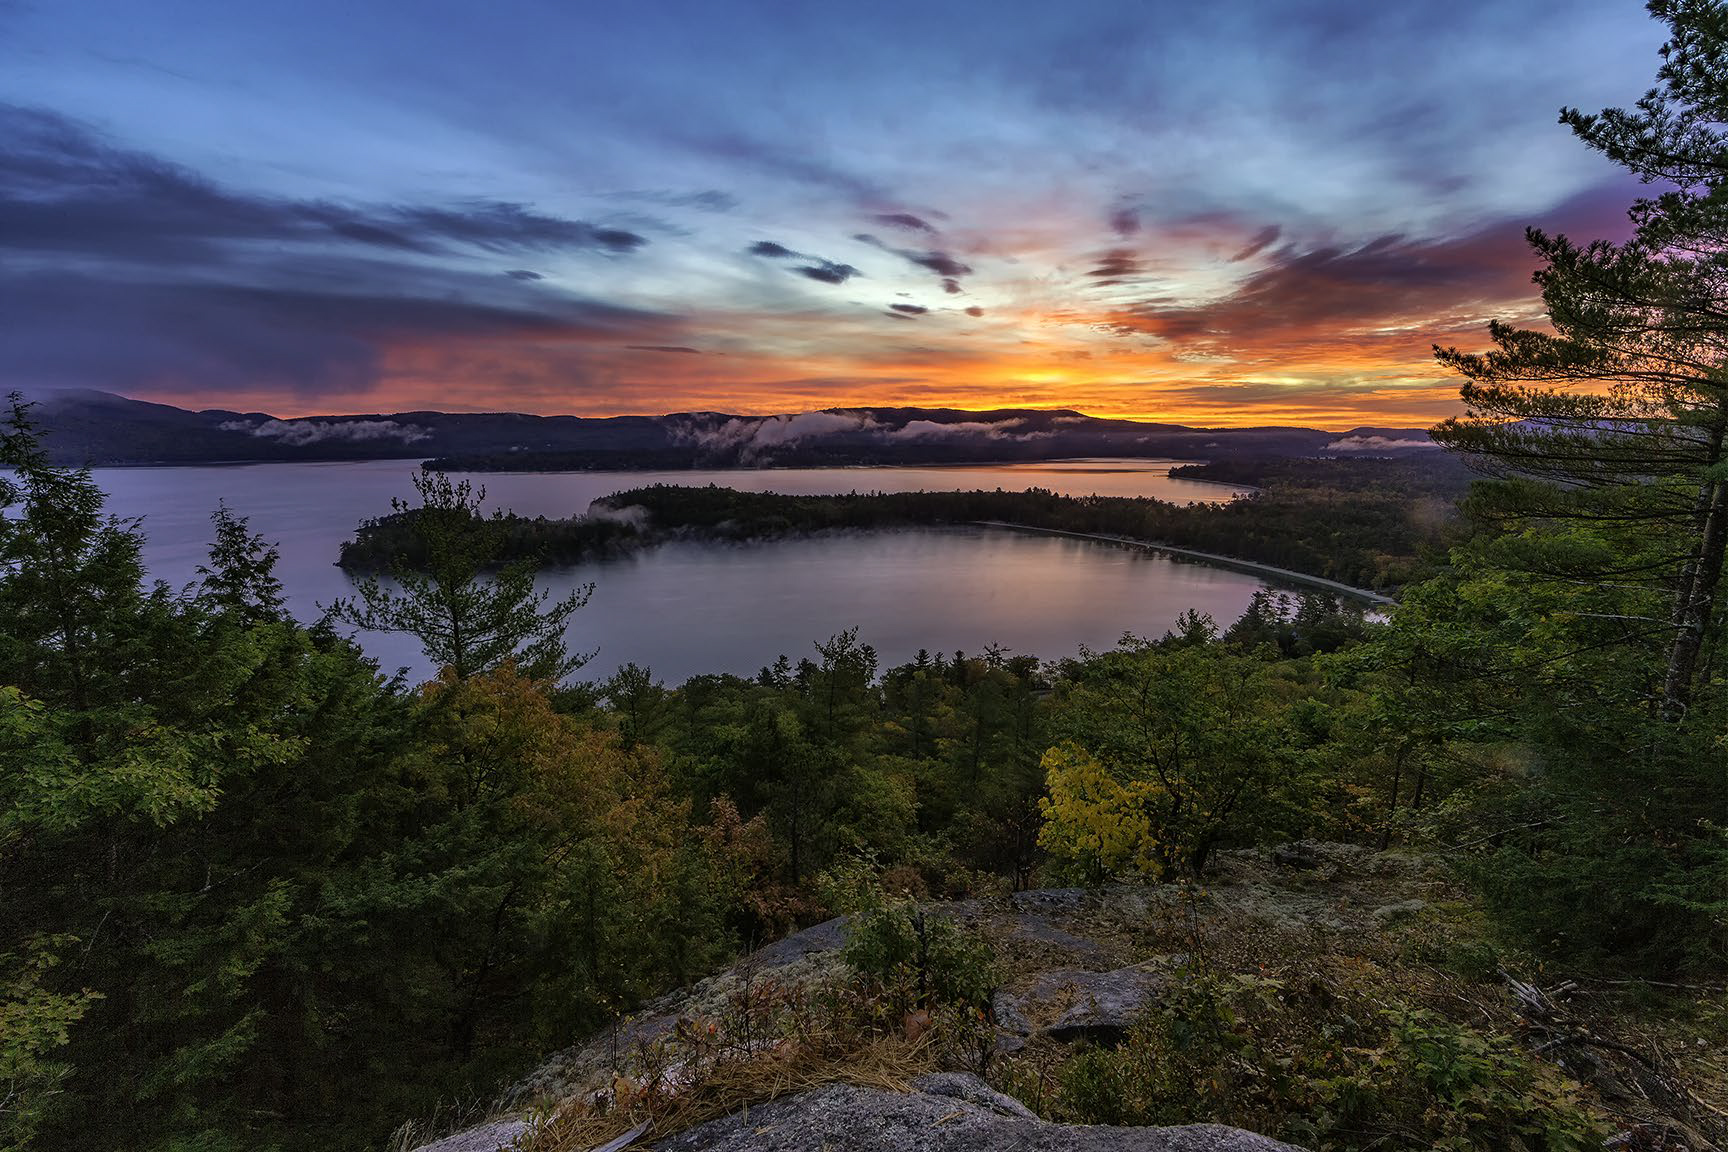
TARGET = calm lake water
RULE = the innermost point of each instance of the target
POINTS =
(684, 609)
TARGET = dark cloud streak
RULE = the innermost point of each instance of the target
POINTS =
(815, 267)
(942, 263)
(126, 271)
(1389, 289)
(1262, 240)
(64, 189)
(1116, 264)
(828, 272)
(905, 220)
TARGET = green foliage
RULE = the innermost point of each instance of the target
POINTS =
(637, 701)
(1096, 827)
(1246, 1051)
(1581, 631)
(1297, 626)
(1482, 1090)
(1188, 745)
(469, 611)
(240, 579)
(35, 1023)
(906, 956)
(399, 539)
(1525, 728)
(912, 958)
(240, 873)
(1615, 419)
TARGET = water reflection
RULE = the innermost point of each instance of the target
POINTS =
(690, 608)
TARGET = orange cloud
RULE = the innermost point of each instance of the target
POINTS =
(1208, 321)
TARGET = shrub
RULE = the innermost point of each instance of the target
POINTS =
(1242, 1050)
(913, 959)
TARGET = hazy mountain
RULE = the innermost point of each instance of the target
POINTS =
(88, 427)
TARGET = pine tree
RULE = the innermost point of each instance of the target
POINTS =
(241, 576)
(1616, 418)
(1582, 631)
(470, 613)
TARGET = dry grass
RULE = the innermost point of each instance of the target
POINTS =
(888, 1062)
(1658, 1066)
(447, 1118)
(763, 1041)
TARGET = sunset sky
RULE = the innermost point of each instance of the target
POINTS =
(1238, 212)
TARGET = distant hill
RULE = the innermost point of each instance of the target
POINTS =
(99, 428)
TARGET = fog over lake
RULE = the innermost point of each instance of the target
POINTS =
(688, 608)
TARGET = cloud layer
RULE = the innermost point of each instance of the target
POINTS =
(125, 271)
(302, 432)
(1250, 213)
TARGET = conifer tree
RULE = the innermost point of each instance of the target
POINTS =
(241, 576)
(468, 611)
(1581, 635)
(1615, 419)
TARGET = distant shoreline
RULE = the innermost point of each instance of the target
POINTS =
(1221, 561)
(624, 469)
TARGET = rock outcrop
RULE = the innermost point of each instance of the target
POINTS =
(1078, 965)
(800, 960)
(951, 1113)
(498, 1136)
(1069, 1004)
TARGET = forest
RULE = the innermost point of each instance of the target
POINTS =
(244, 871)
(1367, 523)
(256, 894)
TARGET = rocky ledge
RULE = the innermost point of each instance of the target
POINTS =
(949, 1112)
(1079, 966)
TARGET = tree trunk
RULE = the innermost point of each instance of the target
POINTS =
(1392, 807)
(462, 1041)
(1695, 603)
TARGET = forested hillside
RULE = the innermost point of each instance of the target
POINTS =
(256, 895)
(245, 874)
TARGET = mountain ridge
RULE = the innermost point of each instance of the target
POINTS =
(88, 427)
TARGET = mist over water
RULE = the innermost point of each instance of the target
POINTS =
(689, 608)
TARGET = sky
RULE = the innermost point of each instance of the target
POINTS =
(1237, 213)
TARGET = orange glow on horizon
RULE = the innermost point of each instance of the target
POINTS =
(1340, 386)
(1415, 405)
(1333, 339)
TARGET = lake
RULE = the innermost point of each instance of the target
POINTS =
(687, 608)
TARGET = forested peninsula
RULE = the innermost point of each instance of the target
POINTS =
(1365, 523)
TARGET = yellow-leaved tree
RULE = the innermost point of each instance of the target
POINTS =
(1095, 826)
(1176, 748)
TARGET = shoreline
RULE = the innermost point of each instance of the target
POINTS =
(627, 547)
(1221, 561)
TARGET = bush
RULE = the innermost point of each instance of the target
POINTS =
(913, 959)
(1244, 1051)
